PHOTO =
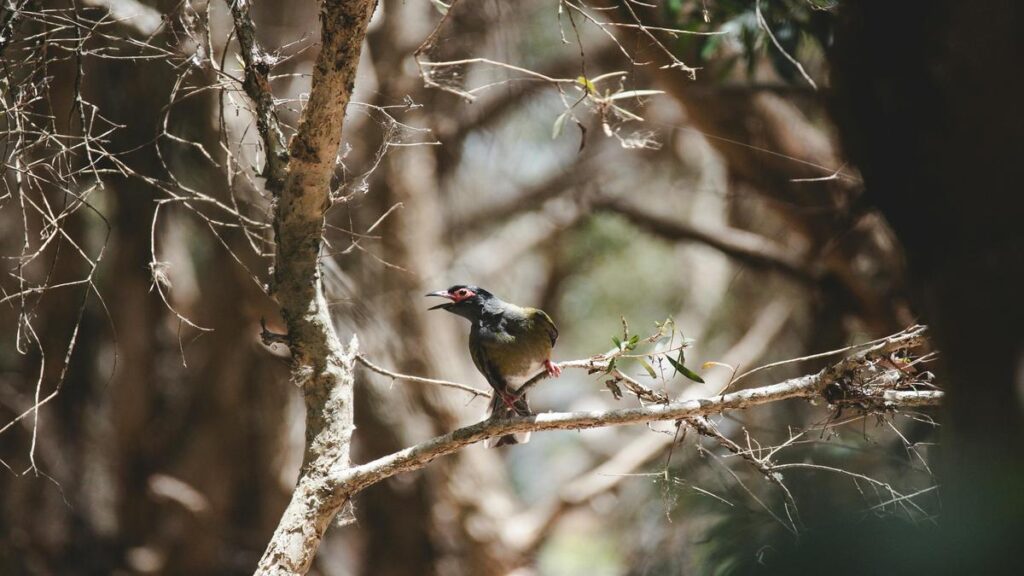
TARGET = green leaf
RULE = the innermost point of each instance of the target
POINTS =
(633, 342)
(556, 129)
(675, 364)
(587, 84)
(617, 342)
(649, 368)
(692, 375)
(684, 370)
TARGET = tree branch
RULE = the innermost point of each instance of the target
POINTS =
(257, 86)
(532, 198)
(9, 21)
(143, 19)
(610, 472)
(362, 359)
(321, 365)
(747, 247)
(868, 380)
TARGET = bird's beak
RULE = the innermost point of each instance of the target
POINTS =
(442, 294)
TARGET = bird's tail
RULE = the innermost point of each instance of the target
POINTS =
(500, 409)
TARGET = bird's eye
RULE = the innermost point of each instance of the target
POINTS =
(461, 293)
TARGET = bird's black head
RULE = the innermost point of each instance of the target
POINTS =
(466, 301)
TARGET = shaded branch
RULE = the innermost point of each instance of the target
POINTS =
(763, 465)
(9, 22)
(257, 86)
(143, 19)
(532, 198)
(747, 247)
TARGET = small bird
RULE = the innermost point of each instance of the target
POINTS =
(509, 344)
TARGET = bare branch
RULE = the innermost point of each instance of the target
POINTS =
(144, 19)
(532, 198)
(763, 465)
(362, 359)
(747, 247)
(257, 85)
(502, 104)
(764, 25)
(853, 375)
(609, 473)
(9, 22)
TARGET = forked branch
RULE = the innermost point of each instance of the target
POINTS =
(321, 365)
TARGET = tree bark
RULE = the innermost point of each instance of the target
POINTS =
(321, 365)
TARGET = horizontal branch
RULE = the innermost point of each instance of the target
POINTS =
(857, 376)
(359, 477)
(354, 479)
(912, 398)
(594, 363)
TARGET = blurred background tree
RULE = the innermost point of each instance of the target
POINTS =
(601, 160)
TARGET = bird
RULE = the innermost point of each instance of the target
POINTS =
(509, 344)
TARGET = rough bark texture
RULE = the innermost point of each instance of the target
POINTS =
(321, 365)
(257, 86)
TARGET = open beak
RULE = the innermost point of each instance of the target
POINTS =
(442, 294)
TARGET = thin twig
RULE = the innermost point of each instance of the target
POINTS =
(764, 25)
(362, 359)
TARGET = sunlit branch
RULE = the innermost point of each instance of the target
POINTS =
(852, 382)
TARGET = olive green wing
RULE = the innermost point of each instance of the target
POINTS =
(541, 317)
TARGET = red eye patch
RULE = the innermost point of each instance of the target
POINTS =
(462, 294)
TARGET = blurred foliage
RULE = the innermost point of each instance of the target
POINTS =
(582, 552)
(804, 29)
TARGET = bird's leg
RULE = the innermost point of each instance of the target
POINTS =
(553, 370)
(508, 398)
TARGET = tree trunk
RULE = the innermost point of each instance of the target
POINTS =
(926, 114)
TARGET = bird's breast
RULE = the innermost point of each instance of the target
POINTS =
(515, 381)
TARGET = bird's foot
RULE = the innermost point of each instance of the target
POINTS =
(553, 370)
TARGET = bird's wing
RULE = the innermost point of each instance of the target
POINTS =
(486, 365)
(548, 323)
